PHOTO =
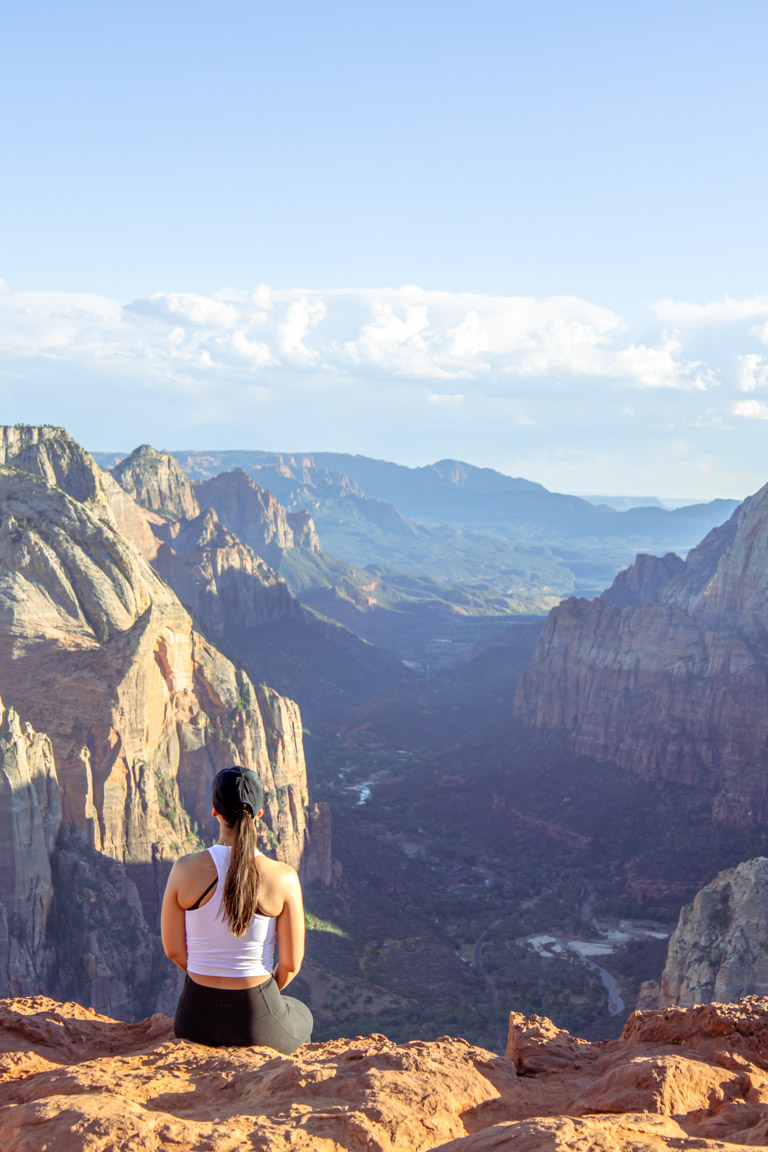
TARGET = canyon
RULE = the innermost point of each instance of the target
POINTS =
(158, 624)
(221, 546)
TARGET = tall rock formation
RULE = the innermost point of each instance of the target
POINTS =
(140, 709)
(719, 950)
(157, 481)
(304, 533)
(52, 454)
(255, 515)
(674, 687)
(30, 816)
(225, 585)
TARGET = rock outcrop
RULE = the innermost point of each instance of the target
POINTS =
(157, 481)
(254, 515)
(30, 817)
(223, 583)
(319, 865)
(675, 687)
(695, 1078)
(52, 454)
(304, 533)
(719, 949)
(644, 580)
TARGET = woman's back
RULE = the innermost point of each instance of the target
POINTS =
(212, 947)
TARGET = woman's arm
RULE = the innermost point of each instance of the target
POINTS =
(172, 924)
(290, 931)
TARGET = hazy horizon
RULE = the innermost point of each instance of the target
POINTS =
(665, 498)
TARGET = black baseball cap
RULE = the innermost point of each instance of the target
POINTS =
(236, 790)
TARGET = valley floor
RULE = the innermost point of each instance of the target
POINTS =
(471, 886)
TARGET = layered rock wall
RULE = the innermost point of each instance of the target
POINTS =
(140, 710)
(252, 513)
(225, 585)
(674, 687)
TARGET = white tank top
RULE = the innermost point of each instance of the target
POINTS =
(212, 947)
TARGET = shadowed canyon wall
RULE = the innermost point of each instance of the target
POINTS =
(667, 674)
(30, 817)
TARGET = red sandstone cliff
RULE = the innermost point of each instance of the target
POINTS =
(674, 687)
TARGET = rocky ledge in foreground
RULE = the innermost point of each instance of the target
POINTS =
(73, 1080)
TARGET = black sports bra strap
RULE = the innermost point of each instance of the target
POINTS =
(197, 902)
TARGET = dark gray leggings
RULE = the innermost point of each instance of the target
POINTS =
(240, 1017)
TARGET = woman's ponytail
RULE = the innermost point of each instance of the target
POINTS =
(238, 799)
(241, 887)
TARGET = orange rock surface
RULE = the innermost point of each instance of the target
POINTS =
(695, 1078)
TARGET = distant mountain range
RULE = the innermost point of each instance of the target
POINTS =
(452, 492)
(416, 519)
(623, 503)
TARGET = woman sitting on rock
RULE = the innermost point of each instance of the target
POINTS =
(223, 909)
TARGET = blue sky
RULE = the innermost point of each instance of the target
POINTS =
(530, 236)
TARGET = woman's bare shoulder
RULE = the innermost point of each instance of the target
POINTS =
(277, 870)
(194, 862)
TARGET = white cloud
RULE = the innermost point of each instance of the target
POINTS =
(255, 352)
(502, 345)
(468, 340)
(397, 340)
(660, 367)
(724, 311)
(753, 372)
(751, 409)
(450, 398)
(292, 330)
(195, 311)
